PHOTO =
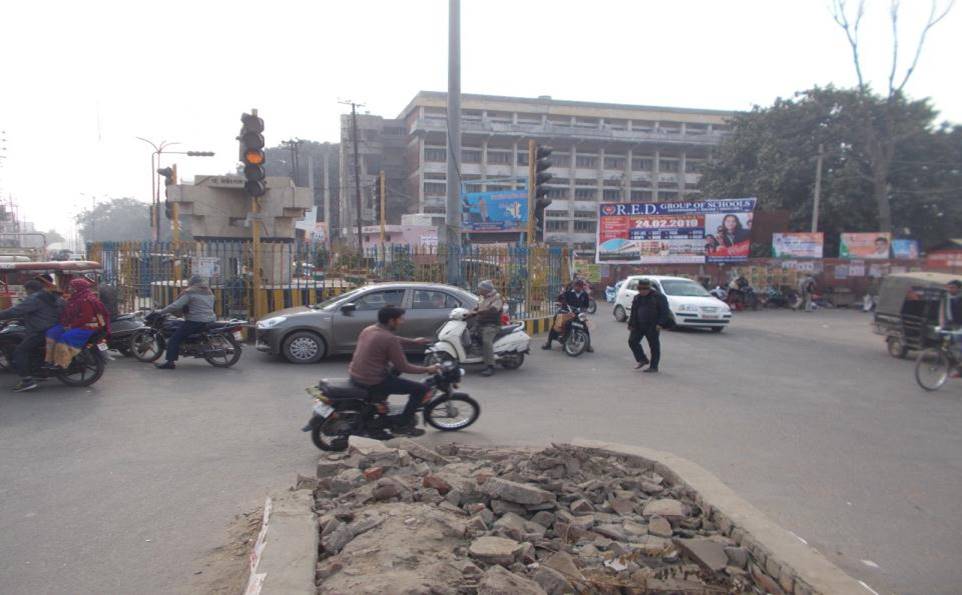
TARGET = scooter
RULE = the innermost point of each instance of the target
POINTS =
(455, 342)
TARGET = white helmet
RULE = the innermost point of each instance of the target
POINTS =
(459, 314)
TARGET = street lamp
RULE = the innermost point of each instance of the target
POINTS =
(161, 149)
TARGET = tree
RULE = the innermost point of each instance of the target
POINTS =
(115, 220)
(881, 130)
(53, 237)
(771, 154)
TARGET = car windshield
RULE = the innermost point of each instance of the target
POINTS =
(684, 289)
(336, 299)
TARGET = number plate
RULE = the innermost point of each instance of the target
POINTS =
(239, 335)
(322, 409)
(710, 316)
(102, 346)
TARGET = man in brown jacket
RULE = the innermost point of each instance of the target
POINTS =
(377, 347)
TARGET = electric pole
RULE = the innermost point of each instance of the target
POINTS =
(818, 187)
(293, 144)
(382, 203)
(452, 215)
(357, 172)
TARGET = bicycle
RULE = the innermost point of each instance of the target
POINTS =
(935, 365)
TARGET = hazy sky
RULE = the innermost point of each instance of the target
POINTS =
(81, 80)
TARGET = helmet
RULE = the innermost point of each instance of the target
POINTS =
(459, 314)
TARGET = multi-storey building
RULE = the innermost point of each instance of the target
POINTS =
(602, 153)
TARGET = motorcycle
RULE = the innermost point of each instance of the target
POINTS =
(574, 335)
(122, 328)
(219, 343)
(341, 409)
(85, 368)
(458, 343)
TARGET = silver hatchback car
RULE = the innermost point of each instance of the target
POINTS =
(307, 334)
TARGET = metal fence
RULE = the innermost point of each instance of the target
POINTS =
(151, 274)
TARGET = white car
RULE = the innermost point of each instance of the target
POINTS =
(691, 306)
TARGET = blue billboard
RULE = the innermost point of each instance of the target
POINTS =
(504, 211)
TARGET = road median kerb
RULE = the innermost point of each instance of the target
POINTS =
(285, 554)
(797, 567)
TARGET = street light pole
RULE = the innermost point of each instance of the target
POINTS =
(161, 149)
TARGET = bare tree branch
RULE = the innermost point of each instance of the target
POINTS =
(894, 14)
(840, 15)
(934, 18)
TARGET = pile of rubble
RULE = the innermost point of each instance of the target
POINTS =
(401, 518)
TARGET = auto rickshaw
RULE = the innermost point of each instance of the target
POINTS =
(14, 274)
(908, 311)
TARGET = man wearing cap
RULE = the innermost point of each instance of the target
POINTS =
(488, 312)
(649, 314)
(197, 303)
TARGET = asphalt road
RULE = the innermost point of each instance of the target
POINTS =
(124, 487)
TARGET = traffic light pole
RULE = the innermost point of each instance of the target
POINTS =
(357, 179)
(383, 214)
(532, 158)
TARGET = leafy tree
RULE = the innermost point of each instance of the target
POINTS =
(115, 220)
(772, 151)
(53, 236)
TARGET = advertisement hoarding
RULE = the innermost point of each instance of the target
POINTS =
(908, 249)
(713, 230)
(873, 245)
(495, 212)
(798, 245)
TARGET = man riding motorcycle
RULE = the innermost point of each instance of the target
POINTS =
(378, 346)
(39, 311)
(197, 301)
(575, 297)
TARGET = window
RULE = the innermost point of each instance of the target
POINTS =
(378, 299)
(584, 226)
(394, 131)
(642, 164)
(585, 215)
(435, 176)
(641, 195)
(683, 288)
(694, 167)
(435, 154)
(433, 300)
(435, 188)
(556, 213)
(665, 195)
(586, 161)
(614, 163)
(668, 166)
(471, 156)
(559, 193)
(522, 158)
(632, 285)
(586, 193)
(559, 160)
(612, 194)
(556, 225)
(499, 157)
(435, 210)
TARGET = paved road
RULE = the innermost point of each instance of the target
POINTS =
(123, 487)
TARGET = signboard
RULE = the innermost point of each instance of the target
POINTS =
(220, 181)
(874, 246)
(206, 266)
(856, 268)
(797, 245)
(505, 211)
(905, 249)
(675, 232)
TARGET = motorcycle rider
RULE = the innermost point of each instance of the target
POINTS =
(649, 314)
(576, 298)
(377, 346)
(197, 302)
(39, 311)
(488, 312)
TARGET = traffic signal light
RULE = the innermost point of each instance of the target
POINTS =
(252, 154)
(170, 178)
(538, 165)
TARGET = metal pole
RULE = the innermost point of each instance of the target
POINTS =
(818, 188)
(531, 174)
(259, 306)
(357, 178)
(383, 214)
(452, 216)
(154, 215)
(327, 198)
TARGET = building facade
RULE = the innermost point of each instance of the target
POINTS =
(602, 153)
(311, 165)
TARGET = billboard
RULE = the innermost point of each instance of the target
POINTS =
(865, 245)
(713, 230)
(797, 245)
(905, 249)
(495, 212)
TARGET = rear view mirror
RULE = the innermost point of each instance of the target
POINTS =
(348, 308)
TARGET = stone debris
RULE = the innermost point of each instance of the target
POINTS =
(400, 517)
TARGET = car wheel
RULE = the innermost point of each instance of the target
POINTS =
(303, 347)
(620, 314)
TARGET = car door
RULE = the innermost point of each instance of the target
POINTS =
(429, 309)
(349, 323)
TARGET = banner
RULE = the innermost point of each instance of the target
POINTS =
(495, 212)
(905, 249)
(865, 245)
(797, 245)
(675, 232)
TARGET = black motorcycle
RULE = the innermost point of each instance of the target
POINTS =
(342, 409)
(86, 367)
(218, 343)
(122, 328)
(574, 335)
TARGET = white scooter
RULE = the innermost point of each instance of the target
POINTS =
(456, 342)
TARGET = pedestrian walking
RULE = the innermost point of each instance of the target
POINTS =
(649, 314)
